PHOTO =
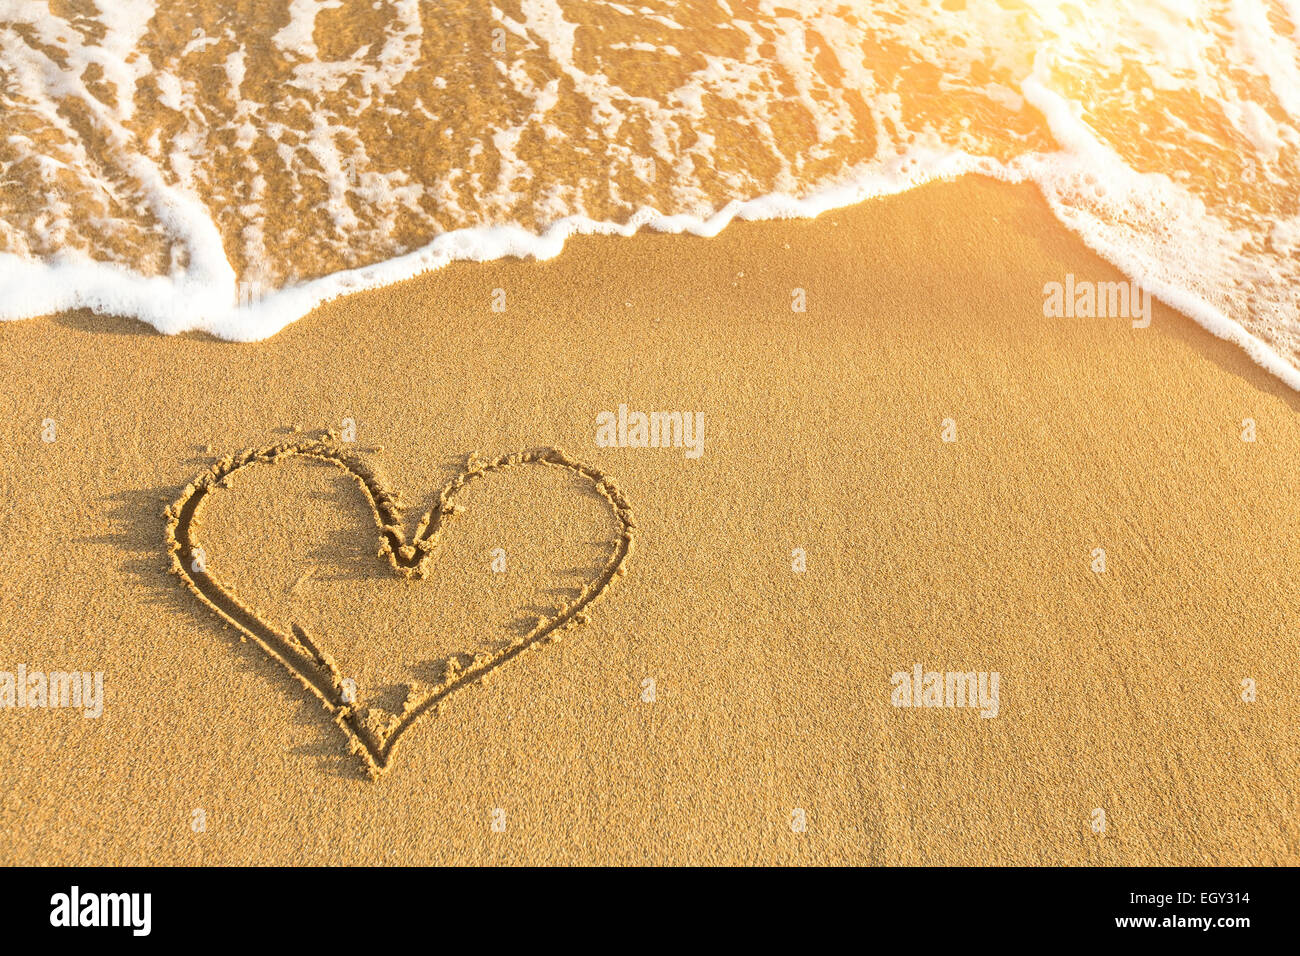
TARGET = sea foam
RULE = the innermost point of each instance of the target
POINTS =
(202, 168)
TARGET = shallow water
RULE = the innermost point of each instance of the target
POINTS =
(227, 166)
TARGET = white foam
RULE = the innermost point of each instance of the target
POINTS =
(208, 302)
(137, 208)
(1151, 226)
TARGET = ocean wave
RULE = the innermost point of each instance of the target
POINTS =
(202, 165)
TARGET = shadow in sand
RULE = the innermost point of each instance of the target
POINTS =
(84, 320)
(137, 531)
(347, 548)
(1061, 245)
(1227, 356)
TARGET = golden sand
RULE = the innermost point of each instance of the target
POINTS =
(374, 733)
(715, 698)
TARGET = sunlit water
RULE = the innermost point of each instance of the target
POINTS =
(228, 165)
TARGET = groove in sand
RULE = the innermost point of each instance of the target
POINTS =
(310, 663)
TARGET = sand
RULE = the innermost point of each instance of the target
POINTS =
(718, 705)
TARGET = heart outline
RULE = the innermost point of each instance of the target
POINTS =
(310, 664)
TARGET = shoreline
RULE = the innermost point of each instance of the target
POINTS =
(481, 245)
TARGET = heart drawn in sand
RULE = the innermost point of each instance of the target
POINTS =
(312, 664)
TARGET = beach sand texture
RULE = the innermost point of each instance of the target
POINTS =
(1120, 691)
